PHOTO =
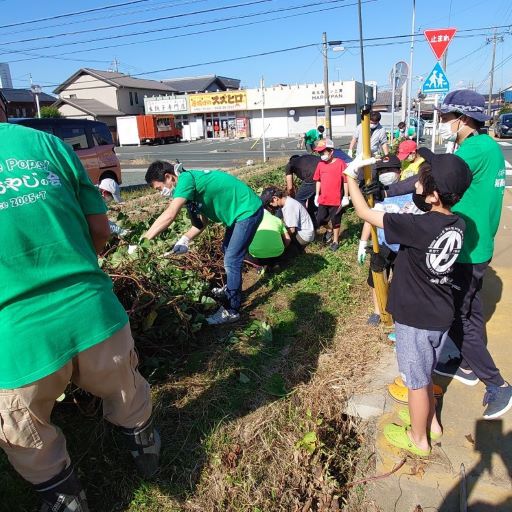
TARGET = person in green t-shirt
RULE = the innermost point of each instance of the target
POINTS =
(462, 115)
(270, 241)
(312, 136)
(59, 318)
(404, 133)
(219, 197)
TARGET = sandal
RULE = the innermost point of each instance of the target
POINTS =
(438, 390)
(397, 436)
(405, 416)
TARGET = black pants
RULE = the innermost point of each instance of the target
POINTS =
(468, 328)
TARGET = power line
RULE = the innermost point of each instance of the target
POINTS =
(165, 5)
(183, 26)
(122, 25)
(76, 13)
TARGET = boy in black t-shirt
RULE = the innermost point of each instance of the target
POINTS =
(420, 297)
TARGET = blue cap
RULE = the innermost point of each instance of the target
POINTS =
(465, 102)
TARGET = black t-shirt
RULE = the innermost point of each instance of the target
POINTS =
(303, 167)
(421, 293)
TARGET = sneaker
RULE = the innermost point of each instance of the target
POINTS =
(220, 292)
(223, 316)
(373, 319)
(334, 246)
(327, 237)
(498, 401)
(451, 369)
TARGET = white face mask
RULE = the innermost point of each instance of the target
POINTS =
(325, 157)
(167, 192)
(388, 178)
(373, 126)
(445, 131)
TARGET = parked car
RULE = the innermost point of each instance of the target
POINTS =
(91, 141)
(503, 126)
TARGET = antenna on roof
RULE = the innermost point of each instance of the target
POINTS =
(114, 66)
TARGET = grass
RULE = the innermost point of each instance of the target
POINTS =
(251, 416)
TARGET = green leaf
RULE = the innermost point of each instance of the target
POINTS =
(276, 386)
(243, 378)
(149, 320)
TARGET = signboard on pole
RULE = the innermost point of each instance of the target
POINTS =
(439, 39)
(436, 82)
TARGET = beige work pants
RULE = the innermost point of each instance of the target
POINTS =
(35, 447)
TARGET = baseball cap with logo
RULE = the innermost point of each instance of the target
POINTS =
(465, 102)
(451, 174)
(323, 144)
(406, 148)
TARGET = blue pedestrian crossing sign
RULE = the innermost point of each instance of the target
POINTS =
(436, 81)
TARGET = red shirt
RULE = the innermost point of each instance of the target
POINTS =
(331, 178)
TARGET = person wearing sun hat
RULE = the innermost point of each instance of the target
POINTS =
(462, 116)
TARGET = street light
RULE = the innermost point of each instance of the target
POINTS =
(336, 47)
(36, 91)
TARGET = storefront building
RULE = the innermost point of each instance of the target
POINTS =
(289, 110)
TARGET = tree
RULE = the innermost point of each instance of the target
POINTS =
(48, 112)
(506, 109)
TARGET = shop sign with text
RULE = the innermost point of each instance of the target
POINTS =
(334, 93)
(165, 105)
(218, 101)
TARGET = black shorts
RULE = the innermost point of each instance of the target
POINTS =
(329, 213)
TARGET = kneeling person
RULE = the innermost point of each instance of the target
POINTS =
(295, 216)
(270, 241)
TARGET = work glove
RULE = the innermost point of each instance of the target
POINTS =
(375, 189)
(379, 261)
(350, 153)
(316, 200)
(132, 248)
(356, 164)
(361, 251)
(181, 246)
(345, 201)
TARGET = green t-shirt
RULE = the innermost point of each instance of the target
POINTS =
(54, 299)
(268, 242)
(220, 196)
(481, 204)
(312, 136)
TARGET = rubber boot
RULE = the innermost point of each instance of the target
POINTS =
(63, 493)
(144, 444)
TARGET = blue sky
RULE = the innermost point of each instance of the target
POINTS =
(469, 58)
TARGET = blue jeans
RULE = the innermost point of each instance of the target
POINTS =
(306, 195)
(237, 239)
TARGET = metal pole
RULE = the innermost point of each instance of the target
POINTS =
(434, 124)
(393, 104)
(38, 107)
(409, 86)
(379, 281)
(262, 84)
(418, 123)
(492, 73)
(361, 51)
(327, 101)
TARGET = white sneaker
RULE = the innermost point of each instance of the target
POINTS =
(223, 316)
(220, 292)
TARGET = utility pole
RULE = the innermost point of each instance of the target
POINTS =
(262, 84)
(494, 40)
(327, 101)
(361, 50)
(411, 58)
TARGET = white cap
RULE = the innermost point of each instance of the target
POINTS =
(110, 185)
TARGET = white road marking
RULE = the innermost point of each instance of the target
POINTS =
(508, 168)
(502, 143)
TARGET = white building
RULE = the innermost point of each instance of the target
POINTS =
(289, 110)
(5, 76)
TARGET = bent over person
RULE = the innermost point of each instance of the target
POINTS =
(219, 197)
(59, 318)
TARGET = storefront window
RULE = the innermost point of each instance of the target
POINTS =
(220, 125)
